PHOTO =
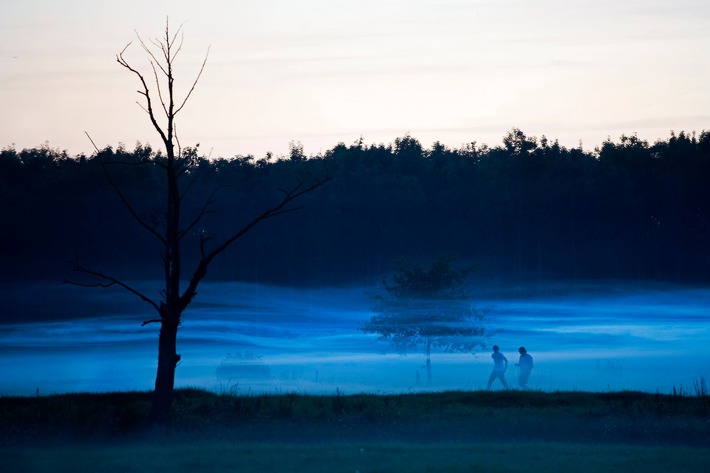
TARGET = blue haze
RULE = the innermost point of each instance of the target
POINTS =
(250, 338)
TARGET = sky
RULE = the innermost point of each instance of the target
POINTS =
(321, 72)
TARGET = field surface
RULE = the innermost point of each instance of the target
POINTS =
(503, 431)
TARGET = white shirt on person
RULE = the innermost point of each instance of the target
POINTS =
(499, 361)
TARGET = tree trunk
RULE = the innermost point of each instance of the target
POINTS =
(165, 378)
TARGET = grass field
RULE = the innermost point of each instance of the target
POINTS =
(324, 458)
(503, 431)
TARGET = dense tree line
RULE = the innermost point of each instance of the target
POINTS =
(527, 208)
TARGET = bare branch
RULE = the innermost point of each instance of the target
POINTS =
(182, 40)
(81, 284)
(177, 139)
(160, 89)
(92, 142)
(278, 209)
(166, 55)
(141, 105)
(146, 93)
(194, 83)
(139, 163)
(151, 321)
(111, 282)
(150, 53)
(128, 205)
(125, 47)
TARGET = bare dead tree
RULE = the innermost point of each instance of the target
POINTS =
(164, 107)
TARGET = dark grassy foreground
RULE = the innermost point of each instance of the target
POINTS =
(503, 431)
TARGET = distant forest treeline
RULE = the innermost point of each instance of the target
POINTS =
(526, 208)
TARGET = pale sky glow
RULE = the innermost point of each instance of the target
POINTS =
(322, 72)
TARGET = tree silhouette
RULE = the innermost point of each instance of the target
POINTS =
(629, 209)
(427, 308)
(171, 227)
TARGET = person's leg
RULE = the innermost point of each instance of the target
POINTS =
(502, 380)
(491, 378)
(523, 381)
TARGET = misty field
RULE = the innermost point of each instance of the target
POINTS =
(503, 431)
(601, 336)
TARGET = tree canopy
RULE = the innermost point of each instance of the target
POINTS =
(527, 208)
(427, 307)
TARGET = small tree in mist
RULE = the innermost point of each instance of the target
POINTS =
(169, 226)
(425, 308)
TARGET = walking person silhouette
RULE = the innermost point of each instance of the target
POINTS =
(500, 364)
(525, 363)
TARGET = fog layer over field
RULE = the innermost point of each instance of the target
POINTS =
(249, 338)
